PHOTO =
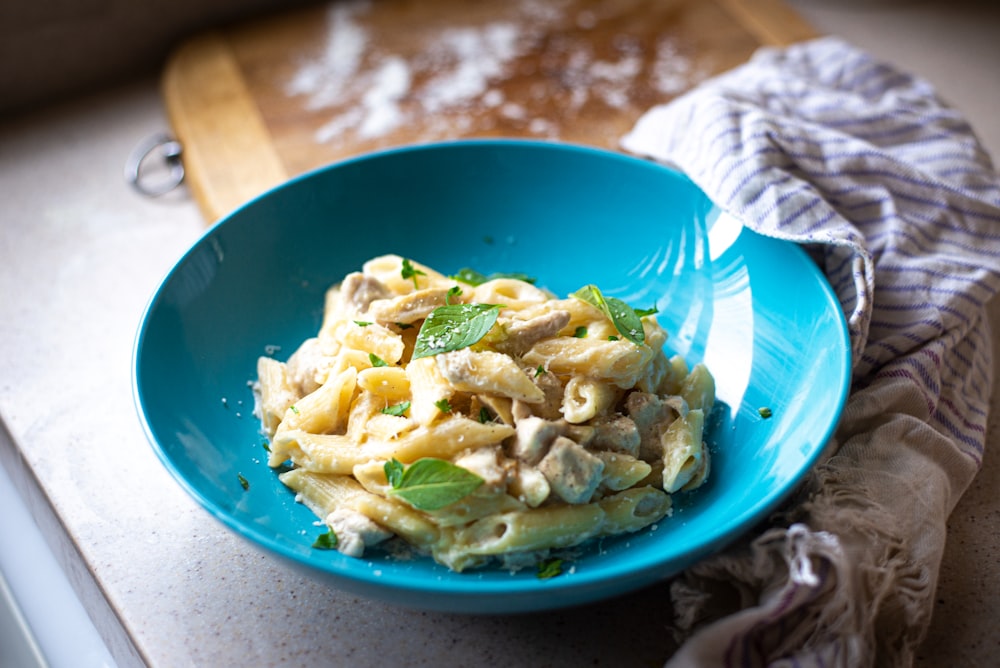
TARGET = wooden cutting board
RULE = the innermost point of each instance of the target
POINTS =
(257, 103)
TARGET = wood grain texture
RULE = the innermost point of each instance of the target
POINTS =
(270, 99)
(228, 152)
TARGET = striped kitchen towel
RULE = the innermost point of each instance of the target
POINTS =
(821, 144)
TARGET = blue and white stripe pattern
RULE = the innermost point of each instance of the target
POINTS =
(821, 144)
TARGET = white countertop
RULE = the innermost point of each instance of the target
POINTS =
(80, 254)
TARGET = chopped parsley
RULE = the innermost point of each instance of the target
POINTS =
(580, 332)
(484, 415)
(443, 405)
(361, 323)
(376, 360)
(539, 371)
(409, 272)
(765, 412)
(244, 483)
(294, 409)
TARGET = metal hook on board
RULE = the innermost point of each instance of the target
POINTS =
(169, 150)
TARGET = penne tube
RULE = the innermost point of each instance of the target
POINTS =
(389, 382)
(683, 450)
(322, 493)
(320, 453)
(388, 269)
(585, 398)
(487, 373)
(622, 471)
(542, 528)
(409, 524)
(701, 475)
(698, 389)
(274, 393)
(324, 410)
(428, 388)
(445, 439)
(634, 509)
(512, 293)
(372, 338)
(620, 362)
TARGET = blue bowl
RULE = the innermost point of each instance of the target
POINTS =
(756, 310)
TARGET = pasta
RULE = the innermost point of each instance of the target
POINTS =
(481, 419)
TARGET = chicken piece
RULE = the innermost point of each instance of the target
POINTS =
(522, 334)
(408, 308)
(572, 472)
(355, 531)
(485, 463)
(617, 434)
(651, 415)
(533, 437)
(309, 366)
(358, 291)
(554, 390)
(529, 486)
(487, 373)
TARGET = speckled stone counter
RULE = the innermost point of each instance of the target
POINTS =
(80, 254)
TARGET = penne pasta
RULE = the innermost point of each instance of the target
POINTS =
(532, 529)
(481, 423)
(389, 382)
(683, 450)
(585, 398)
(634, 509)
(275, 393)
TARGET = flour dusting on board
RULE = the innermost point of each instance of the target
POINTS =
(527, 70)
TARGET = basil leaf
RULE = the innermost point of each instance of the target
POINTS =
(643, 312)
(454, 327)
(326, 541)
(618, 312)
(429, 483)
(376, 360)
(474, 278)
(393, 472)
